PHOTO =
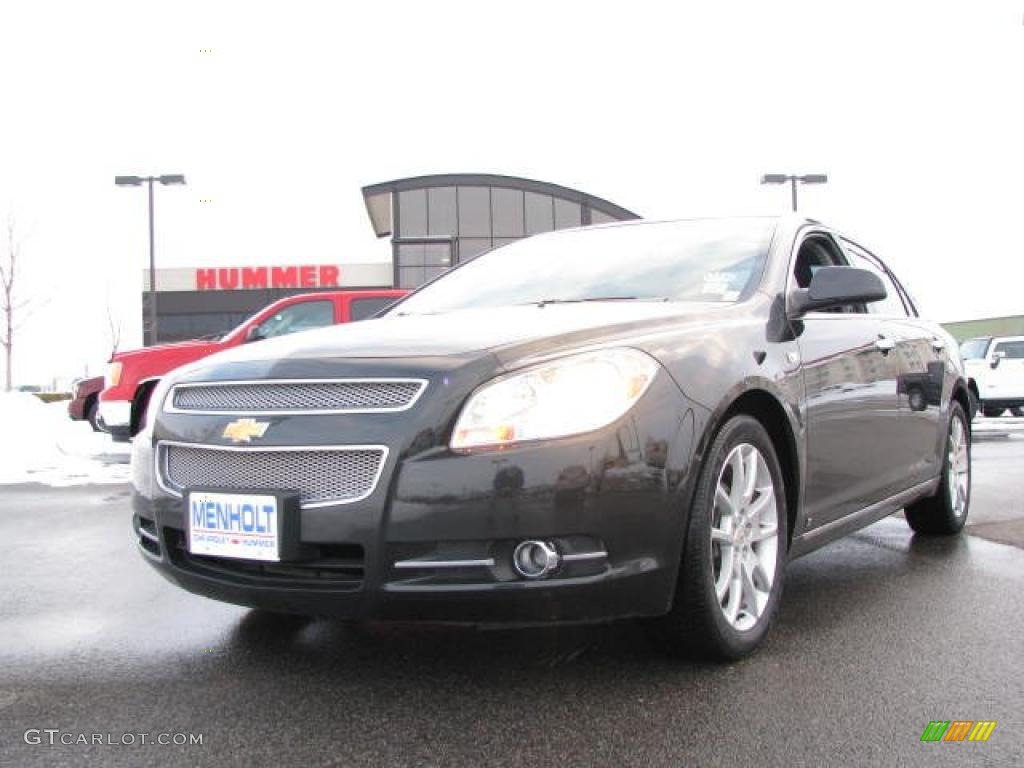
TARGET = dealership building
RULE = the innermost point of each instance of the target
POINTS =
(434, 223)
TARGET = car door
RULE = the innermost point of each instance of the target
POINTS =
(1005, 380)
(920, 356)
(850, 396)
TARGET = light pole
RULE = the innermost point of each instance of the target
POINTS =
(782, 178)
(137, 181)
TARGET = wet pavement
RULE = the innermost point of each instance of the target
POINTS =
(878, 635)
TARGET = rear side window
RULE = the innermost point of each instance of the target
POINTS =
(1013, 350)
(360, 309)
(892, 304)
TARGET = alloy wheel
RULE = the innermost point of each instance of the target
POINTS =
(744, 537)
(958, 467)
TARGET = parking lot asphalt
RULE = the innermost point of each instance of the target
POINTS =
(878, 635)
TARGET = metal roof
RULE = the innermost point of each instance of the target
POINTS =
(374, 191)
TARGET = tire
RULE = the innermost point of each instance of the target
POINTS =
(730, 623)
(92, 415)
(1018, 411)
(945, 513)
(992, 413)
(974, 404)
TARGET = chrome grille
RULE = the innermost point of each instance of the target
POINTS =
(354, 395)
(321, 476)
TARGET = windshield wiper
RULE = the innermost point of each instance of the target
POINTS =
(545, 302)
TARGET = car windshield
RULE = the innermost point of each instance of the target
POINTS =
(239, 329)
(974, 349)
(705, 260)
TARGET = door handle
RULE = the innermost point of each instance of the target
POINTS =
(885, 344)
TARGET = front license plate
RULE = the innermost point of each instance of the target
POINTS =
(242, 525)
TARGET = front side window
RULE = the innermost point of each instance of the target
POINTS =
(1011, 350)
(297, 317)
(815, 252)
(709, 260)
(892, 304)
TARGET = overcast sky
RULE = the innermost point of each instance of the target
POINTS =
(914, 109)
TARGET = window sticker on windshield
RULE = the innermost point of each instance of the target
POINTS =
(720, 284)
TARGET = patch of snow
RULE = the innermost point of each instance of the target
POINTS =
(1000, 424)
(39, 443)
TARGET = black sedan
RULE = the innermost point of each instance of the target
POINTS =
(634, 420)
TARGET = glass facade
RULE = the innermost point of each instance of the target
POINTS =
(437, 222)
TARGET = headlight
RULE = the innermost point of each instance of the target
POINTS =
(568, 396)
(113, 375)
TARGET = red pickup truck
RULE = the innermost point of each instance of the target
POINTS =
(132, 375)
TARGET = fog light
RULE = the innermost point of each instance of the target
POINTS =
(535, 559)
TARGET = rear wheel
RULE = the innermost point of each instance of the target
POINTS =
(946, 512)
(730, 577)
(1018, 411)
(991, 412)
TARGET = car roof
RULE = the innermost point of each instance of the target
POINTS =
(673, 220)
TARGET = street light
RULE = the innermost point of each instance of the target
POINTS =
(138, 181)
(782, 178)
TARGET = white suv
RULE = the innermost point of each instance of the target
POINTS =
(995, 373)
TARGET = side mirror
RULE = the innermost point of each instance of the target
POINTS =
(253, 334)
(997, 358)
(835, 287)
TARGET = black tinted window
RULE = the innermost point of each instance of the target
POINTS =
(1012, 350)
(712, 260)
(360, 309)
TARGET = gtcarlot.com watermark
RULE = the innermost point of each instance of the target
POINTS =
(52, 737)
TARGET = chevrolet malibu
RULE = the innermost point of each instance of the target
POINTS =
(633, 420)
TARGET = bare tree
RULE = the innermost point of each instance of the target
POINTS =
(9, 303)
(113, 329)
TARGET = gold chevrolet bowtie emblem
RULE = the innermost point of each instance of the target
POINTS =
(244, 430)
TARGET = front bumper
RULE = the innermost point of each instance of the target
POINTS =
(116, 413)
(76, 409)
(116, 416)
(434, 540)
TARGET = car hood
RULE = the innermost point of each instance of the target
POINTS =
(158, 348)
(506, 331)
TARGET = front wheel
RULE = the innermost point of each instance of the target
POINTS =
(92, 415)
(730, 578)
(946, 512)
